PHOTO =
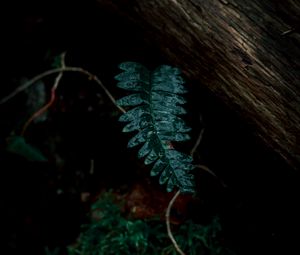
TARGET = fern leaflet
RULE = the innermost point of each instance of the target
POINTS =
(157, 101)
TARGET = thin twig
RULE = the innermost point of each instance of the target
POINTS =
(59, 70)
(92, 166)
(39, 112)
(206, 169)
(199, 139)
(59, 76)
(287, 32)
(169, 226)
(193, 150)
(203, 167)
(52, 98)
(175, 197)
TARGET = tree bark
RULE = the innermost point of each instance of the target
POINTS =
(247, 52)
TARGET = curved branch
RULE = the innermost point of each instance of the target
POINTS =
(169, 226)
(60, 70)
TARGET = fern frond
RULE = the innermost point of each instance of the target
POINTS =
(157, 101)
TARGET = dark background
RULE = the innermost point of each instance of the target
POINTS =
(42, 202)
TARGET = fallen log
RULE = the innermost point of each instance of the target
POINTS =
(245, 52)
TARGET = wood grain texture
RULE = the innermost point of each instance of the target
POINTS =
(237, 49)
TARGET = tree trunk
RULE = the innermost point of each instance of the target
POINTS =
(247, 52)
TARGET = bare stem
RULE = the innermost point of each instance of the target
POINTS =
(206, 169)
(39, 112)
(199, 139)
(169, 226)
(92, 166)
(60, 75)
(52, 98)
(60, 70)
(177, 194)
(203, 167)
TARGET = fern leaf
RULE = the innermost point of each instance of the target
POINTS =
(157, 103)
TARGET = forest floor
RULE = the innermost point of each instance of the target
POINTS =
(45, 203)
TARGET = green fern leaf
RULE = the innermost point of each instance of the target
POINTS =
(157, 101)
